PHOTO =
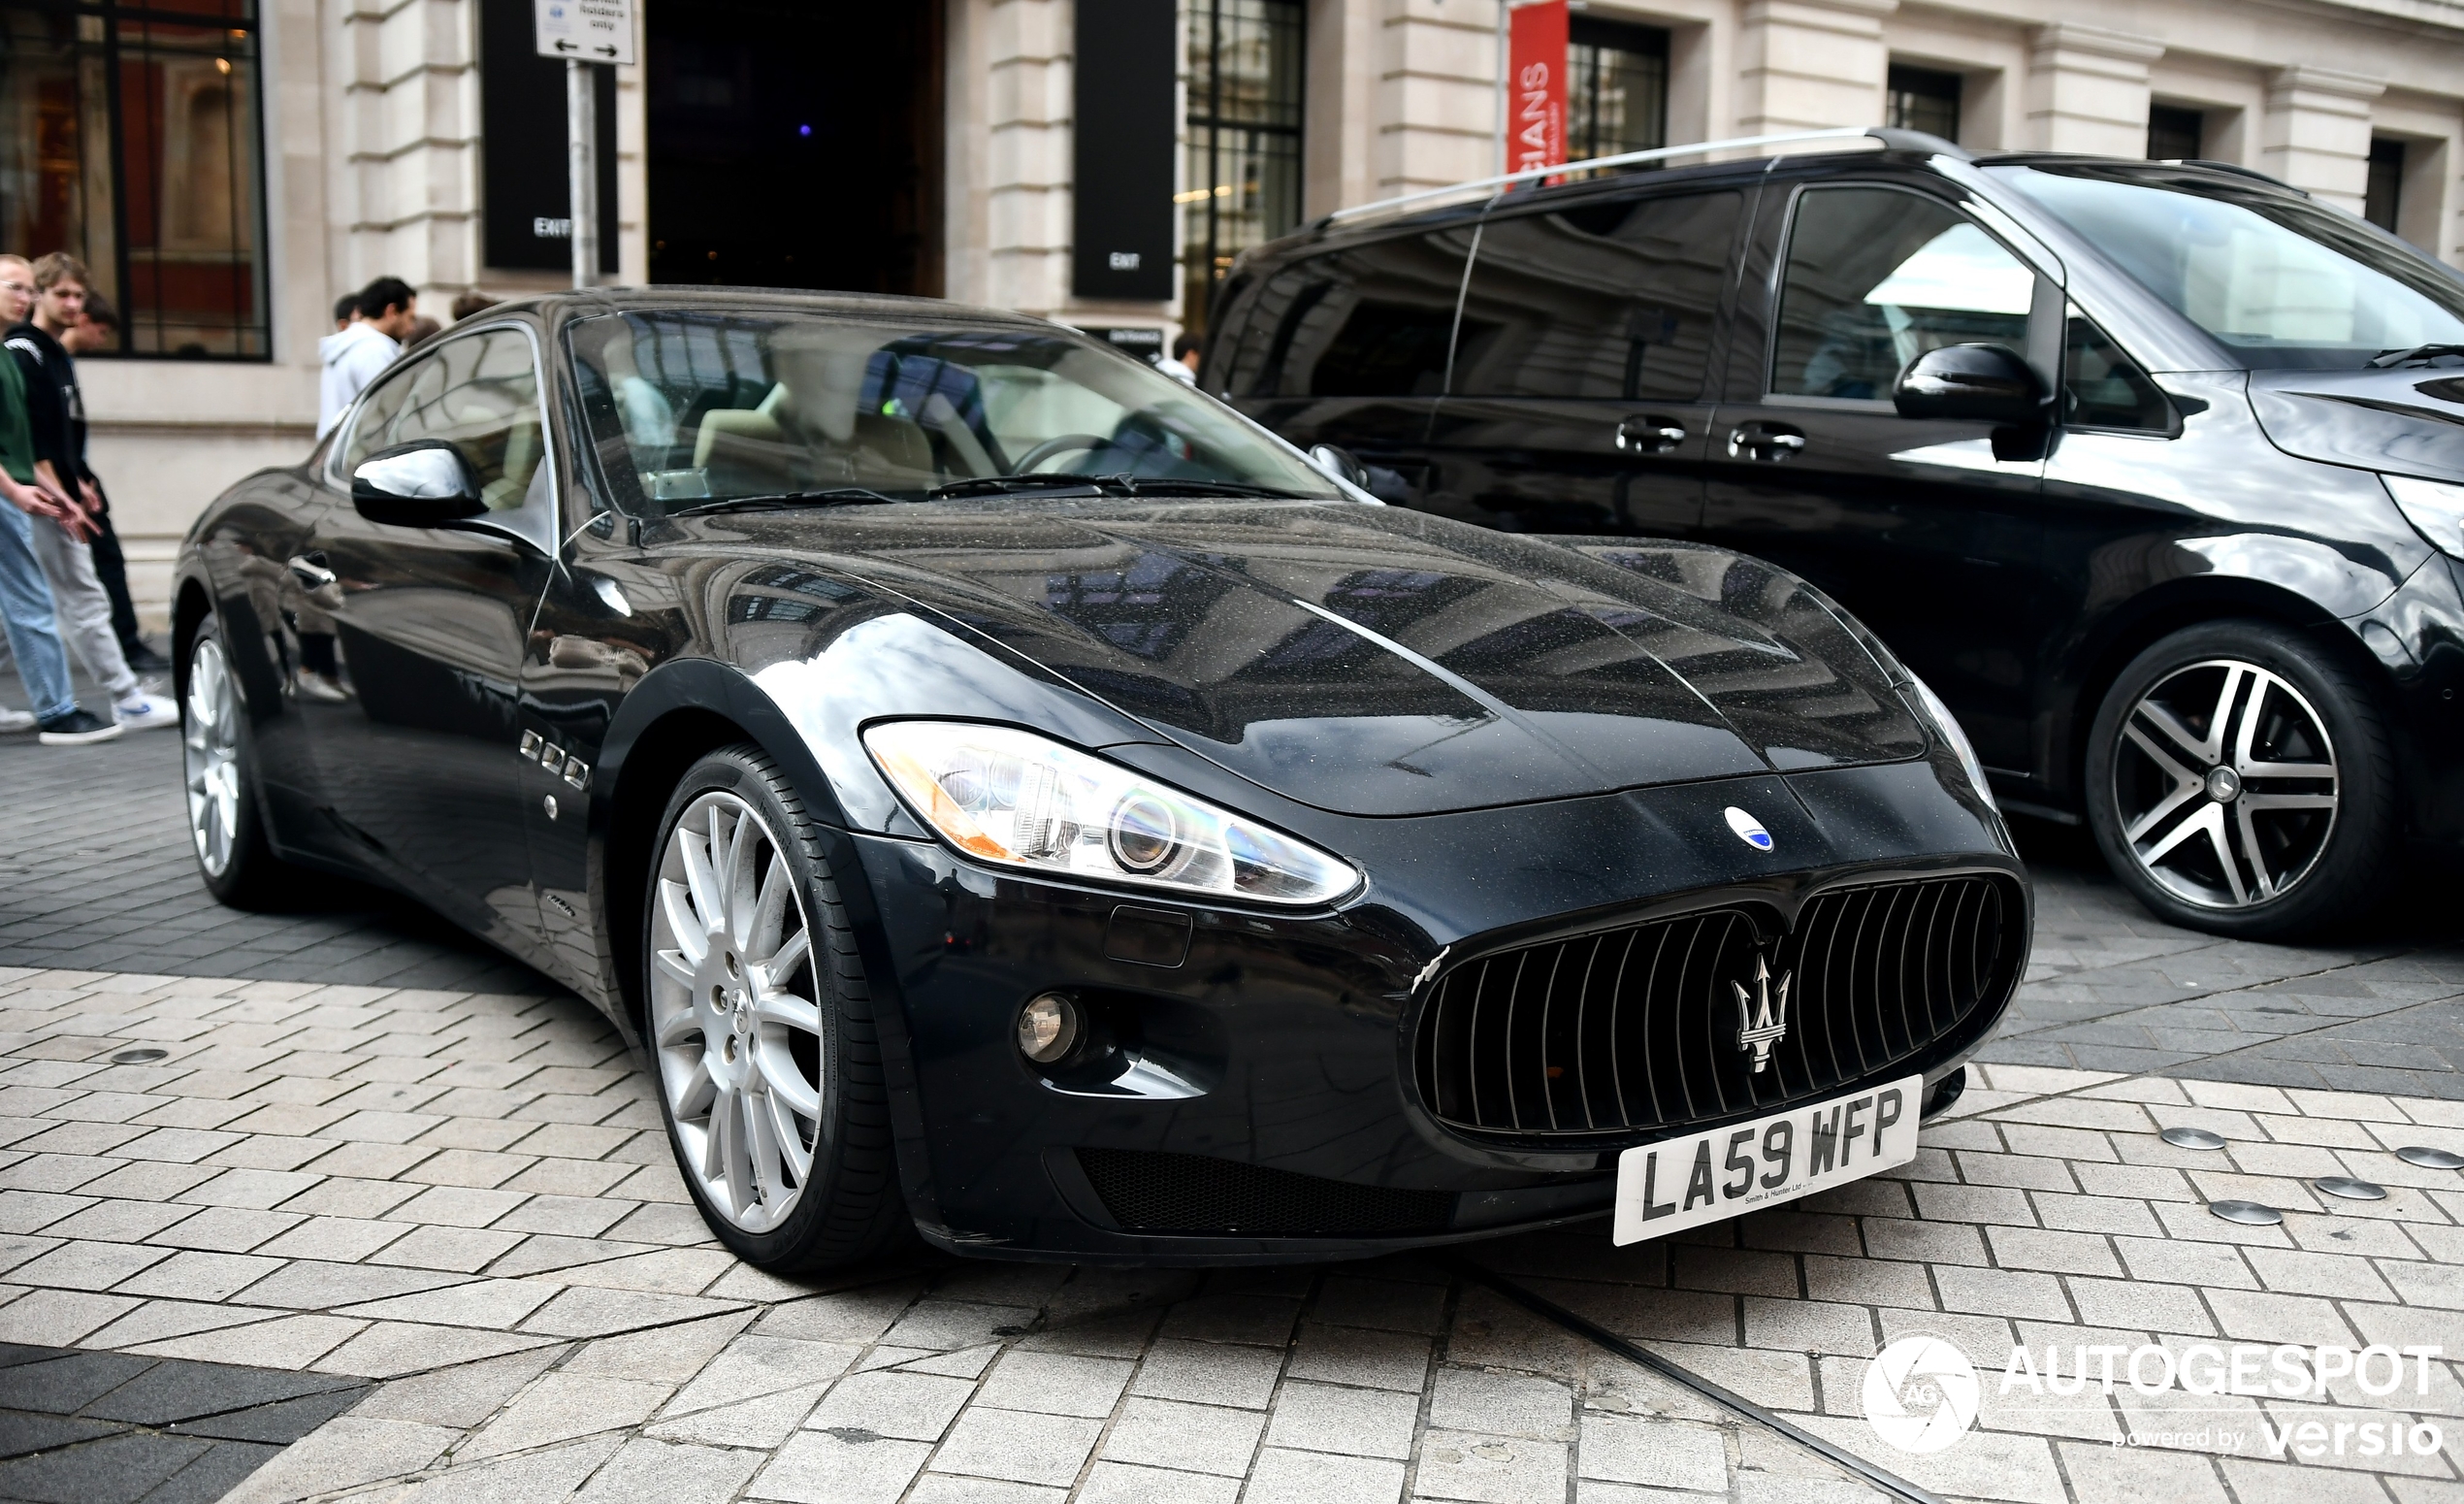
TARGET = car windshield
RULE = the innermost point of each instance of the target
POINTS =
(695, 407)
(2278, 279)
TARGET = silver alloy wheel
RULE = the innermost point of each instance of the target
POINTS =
(735, 1015)
(209, 756)
(2226, 784)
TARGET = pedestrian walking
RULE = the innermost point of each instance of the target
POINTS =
(55, 418)
(98, 329)
(354, 354)
(25, 596)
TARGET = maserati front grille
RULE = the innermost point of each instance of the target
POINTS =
(1707, 1015)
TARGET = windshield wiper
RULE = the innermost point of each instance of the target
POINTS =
(1031, 480)
(836, 495)
(1165, 485)
(2387, 360)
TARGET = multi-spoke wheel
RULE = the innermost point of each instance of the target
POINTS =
(2239, 781)
(224, 826)
(768, 1074)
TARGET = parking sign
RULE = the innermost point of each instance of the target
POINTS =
(590, 32)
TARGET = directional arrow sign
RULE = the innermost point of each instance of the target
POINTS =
(601, 30)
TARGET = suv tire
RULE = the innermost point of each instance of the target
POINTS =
(2240, 781)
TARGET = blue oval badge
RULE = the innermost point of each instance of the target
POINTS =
(1748, 828)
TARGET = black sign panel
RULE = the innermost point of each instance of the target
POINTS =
(527, 205)
(1121, 182)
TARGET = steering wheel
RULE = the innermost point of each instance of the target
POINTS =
(1062, 444)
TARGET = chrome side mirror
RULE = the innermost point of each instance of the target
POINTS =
(1340, 464)
(425, 483)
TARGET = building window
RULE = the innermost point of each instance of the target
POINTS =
(2176, 134)
(1924, 99)
(133, 140)
(2383, 199)
(1244, 182)
(1616, 88)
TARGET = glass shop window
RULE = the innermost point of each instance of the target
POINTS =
(134, 141)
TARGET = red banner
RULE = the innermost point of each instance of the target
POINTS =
(1535, 86)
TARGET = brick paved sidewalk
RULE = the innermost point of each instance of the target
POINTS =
(466, 1196)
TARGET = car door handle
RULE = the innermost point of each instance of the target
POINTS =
(1649, 434)
(1766, 441)
(310, 569)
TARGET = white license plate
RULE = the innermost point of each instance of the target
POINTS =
(1681, 1183)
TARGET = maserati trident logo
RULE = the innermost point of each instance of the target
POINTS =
(1762, 1017)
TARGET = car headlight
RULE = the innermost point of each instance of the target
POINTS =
(1949, 725)
(2433, 506)
(1014, 798)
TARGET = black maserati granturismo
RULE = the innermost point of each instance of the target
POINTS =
(1010, 796)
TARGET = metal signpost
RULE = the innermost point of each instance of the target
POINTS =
(586, 34)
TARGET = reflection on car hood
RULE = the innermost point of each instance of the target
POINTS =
(2410, 422)
(1380, 662)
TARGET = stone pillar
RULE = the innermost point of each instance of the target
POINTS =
(1435, 98)
(1339, 132)
(2315, 133)
(2088, 90)
(409, 142)
(1811, 64)
(1008, 71)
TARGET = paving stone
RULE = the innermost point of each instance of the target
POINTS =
(562, 1406)
(644, 1468)
(909, 1406)
(1285, 1477)
(1171, 1433)
(1350, 1421)
(1391, 1360)
(1468, 1465)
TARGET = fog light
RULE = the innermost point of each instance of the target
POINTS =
(1048, 1029)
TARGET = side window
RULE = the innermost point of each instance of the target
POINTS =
(481, 395)
(2103, 388)
(1876, 278)
(375, 420)
(1608, 301)
(1371, 321)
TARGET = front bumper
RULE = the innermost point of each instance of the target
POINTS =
(1272, 1051)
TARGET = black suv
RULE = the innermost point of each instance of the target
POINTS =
(2155, 470)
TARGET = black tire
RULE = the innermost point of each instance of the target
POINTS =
(848, 1207)
(228, 840)
(2282, 856)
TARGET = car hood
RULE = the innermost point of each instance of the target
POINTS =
(1374, 661)
(2406, 422)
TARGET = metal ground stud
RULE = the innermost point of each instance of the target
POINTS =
(2431, 1159)
(2249, 1214)
(138, 1057)
(2192, 1138)
(2350, 1188)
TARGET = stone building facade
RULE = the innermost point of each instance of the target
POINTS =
(361, 146)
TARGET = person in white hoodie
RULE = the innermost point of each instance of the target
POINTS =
(354, 356)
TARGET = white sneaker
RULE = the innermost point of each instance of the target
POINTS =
(16, 720)
(141, 711)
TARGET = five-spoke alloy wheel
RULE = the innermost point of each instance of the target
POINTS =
(2239, 781)
(756, 1011)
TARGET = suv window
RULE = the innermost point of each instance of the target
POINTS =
(2104, 388)
(1374, 320)
(1876, 278)
(1603, 300)
(480, 394)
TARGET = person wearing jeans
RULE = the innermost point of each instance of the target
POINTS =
(25, 597)
(55, 417)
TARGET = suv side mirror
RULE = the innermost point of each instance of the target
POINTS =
(425, 483)
(1977, 383)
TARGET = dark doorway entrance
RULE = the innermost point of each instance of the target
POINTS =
(796, 144)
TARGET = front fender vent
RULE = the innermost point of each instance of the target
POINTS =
(1641, 1027)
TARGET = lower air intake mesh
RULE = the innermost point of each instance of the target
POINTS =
(1192, 1194)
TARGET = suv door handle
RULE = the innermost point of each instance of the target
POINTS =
(1649, 434)
(310, 569)
(1766, 441)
